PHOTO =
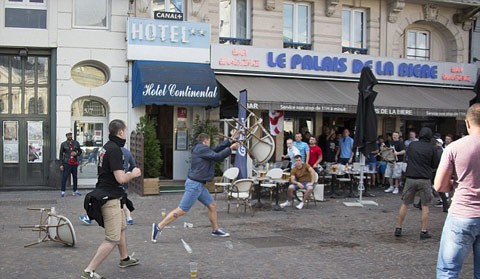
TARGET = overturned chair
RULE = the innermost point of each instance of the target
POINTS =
(52, 227)
(255, 139)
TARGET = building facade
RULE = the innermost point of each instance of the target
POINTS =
(77, 64)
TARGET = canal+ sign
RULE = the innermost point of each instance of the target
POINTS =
(168, 40)
(167, 15)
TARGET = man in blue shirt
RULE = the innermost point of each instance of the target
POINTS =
(302, 147)
(345, 149)
(201, 171)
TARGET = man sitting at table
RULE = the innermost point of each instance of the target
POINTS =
(302, 176)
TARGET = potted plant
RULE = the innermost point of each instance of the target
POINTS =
(152, 160)
(211, 129)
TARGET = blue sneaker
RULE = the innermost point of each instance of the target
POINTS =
(156, 232)
(76, 193)
(130, 222)
(220, 232)
(85, 219)
(62, 194)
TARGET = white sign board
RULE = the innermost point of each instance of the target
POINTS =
(310, 64)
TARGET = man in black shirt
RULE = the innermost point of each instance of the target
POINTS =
(422, 159)
(111, 177)
(70, 152)
(331, 146)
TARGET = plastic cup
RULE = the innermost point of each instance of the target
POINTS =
(193, 269)
(164, 212)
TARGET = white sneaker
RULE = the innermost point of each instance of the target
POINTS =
(300, 205)
(285, 204)
(390, 189)
(395, 191)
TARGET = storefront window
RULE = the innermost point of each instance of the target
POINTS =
(4, 73)
(42, 70)
(30, 71)
(16, 69)
(354, 28)
(88, 107)
(91, 14)
(16, 100)
(173, 6)
(90, 126)
(20, 87)
(296, 24)
(41, 104)
(90, 74)
(26, 14)
(93, 108)
(234, 21)
(3, 99)
(418, 45)
(29, 100)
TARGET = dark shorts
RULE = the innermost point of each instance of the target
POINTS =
(422, 187)
(304, 186)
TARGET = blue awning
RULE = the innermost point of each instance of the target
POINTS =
(173, 83)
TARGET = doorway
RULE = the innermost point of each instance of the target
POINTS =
(163, 116)
(90, 129)
(25, 148)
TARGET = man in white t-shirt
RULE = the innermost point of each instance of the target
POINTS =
(459, 171)
(292, 151)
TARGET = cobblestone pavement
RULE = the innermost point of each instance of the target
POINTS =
(326, 241)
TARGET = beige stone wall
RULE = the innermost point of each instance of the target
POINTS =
(449, 42)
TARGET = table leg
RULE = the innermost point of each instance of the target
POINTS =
(276, 207)
(259, 203)
(367, 185)
(333, 184)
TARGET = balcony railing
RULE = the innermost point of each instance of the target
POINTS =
(354, 50)
(297, 45)
(235, 41)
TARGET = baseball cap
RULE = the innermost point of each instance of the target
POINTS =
(68, 133)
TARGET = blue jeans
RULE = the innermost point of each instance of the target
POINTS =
(67, 170)
(459, 235)
(194, 191)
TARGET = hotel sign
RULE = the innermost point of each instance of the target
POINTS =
(310, 64)
(167, 40)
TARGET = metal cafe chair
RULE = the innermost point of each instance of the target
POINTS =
(301, 192)
(241, 193)
(227, 179)
(52, 227)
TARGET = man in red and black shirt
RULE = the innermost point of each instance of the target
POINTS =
(316, 155)
(70, 151)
